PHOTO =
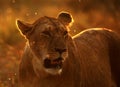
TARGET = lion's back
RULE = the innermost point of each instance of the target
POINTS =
(100, 49)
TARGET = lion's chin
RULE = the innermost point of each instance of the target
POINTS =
(53, 71)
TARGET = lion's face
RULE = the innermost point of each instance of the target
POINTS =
(48, 40)
(49, 43)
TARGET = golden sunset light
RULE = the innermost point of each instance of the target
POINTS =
(86, 14)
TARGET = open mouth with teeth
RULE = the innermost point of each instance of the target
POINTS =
(56, 63)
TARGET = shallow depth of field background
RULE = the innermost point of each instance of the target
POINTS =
(86, 14)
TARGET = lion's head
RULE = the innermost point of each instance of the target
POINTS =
(47, 39)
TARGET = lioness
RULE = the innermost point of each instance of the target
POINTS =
(52, 58)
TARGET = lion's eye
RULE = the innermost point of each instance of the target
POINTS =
(65, 34)
(46, 33)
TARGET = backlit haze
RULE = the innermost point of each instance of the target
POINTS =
(86, 14)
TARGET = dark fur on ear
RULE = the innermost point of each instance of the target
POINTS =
(24, 27)
(65, 18)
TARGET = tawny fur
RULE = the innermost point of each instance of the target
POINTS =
(93, 61)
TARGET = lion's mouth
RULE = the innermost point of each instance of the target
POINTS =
(56, 63)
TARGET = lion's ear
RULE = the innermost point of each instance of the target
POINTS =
(65, 18)
(24, 27)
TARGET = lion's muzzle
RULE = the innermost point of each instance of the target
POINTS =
(56, 63)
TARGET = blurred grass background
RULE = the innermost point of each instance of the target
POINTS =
(86, 14)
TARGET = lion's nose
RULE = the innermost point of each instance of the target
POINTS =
(60, 50)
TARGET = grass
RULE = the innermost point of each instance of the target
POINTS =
(11, 48)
